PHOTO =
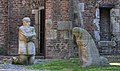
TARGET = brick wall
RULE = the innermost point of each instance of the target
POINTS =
(58, 29)
(58, 11)
(59, 22)
(19, 9)
(88, 15)
(114, 31)
(90, 18)
(3, 26)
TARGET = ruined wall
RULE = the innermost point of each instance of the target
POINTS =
(59, 42)
(111, 46)
(61, 17)
(88, 15)
(91, 22)
(17, 10)
(3, 26)
(115, 23)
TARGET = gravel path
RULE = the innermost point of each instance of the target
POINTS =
(11, 67)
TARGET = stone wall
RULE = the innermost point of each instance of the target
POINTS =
(87, 15)
(114, 31)
(91, 22)
(18, 9)
(58, 25)
(3, 26)
(59, 42)
(115, 23)
(60, 17)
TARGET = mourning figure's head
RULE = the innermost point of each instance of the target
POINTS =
(26, 21)
(76, 32)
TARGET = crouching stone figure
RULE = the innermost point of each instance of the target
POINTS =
(26, 50)
(88, 52)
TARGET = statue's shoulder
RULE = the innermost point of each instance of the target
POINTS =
(77, 29)
(32, 27)
(21, 27)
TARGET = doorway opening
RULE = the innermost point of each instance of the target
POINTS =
(105, 27)
(42, 31)
(40, 27)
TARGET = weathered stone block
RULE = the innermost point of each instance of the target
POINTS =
(116, 28)
(96, 23)
(64, 34)
(64, 25)
(81, 7)
(97, 13)
(115, 12)
(106, 43)
(119, 21)
(51, 34)
(97, 35)
(116, 36)
(49, 24)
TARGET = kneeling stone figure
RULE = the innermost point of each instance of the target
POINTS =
(88, 52)
(26, 50)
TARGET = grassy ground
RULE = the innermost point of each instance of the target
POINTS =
(69, 65)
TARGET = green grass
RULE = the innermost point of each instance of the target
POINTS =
(69, 65)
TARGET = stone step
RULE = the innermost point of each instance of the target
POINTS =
(39, 57)
(112, 58)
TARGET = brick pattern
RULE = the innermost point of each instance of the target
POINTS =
(49, 10)
(89, 16)
(60, 49)
(12, 12)
(19, 9)
(114, 14)
(3, 26)
(59, 11)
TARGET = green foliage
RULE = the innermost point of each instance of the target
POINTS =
(69, 65)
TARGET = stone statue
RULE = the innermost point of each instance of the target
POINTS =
(26, 50)
(88, 52)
